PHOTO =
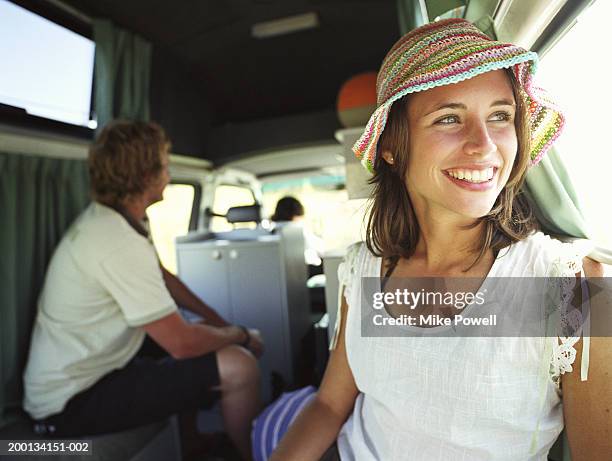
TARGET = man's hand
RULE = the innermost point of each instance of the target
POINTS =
(255, 345)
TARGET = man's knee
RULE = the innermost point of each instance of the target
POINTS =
(238, 367)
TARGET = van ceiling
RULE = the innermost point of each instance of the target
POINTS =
(246, 78)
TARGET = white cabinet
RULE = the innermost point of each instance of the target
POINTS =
(258, 283)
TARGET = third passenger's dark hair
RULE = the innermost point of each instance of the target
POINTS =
(287, 208)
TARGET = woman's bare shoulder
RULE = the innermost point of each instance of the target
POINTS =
(594, 268)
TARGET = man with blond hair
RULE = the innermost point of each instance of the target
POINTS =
(108, 314)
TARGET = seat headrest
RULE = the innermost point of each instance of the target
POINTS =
(250, 213)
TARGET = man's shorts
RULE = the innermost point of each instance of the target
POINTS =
(151, 387)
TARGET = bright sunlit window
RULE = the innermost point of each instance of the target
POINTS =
(46, 69)
(328, 212)
(227, 196)
(169, 219)
(576, 72)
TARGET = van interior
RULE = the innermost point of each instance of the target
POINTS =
(262, 99)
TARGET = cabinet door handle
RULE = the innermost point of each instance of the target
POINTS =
(233, 254)
(216, 254)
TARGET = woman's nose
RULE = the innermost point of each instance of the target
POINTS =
(478, 139)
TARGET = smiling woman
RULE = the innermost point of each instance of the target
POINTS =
(458, 124)
(457, 147)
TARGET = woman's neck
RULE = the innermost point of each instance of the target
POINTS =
(447, 245)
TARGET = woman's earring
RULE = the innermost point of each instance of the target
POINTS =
(388, 157)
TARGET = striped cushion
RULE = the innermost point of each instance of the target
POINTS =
(270, 426)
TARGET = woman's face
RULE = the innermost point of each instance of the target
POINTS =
(462, 145)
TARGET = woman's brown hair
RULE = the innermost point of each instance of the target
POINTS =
(124, 159)
(392, 228)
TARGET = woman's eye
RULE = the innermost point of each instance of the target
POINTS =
(448, 120)
(501, 117)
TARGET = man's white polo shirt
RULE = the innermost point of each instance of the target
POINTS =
(104, 282)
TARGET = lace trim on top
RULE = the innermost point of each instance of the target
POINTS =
(346, 276)
(574, 322)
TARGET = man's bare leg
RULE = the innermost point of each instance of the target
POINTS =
(240, 399)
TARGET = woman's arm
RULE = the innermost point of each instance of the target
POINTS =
(317, 427)
(587, 405)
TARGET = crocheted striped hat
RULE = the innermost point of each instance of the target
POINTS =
(450, 51)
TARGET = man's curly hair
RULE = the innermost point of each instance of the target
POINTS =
(124, 159)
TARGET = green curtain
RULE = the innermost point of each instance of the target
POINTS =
(437, 8)
(556, 204)
(39, 198)
(410, 14)
(415, 13)
(122, 74)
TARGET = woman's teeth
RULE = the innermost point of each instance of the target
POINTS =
(475, 176)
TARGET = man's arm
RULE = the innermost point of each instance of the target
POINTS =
(184, 297)
(184, 340)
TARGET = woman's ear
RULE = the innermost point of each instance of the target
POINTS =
(388, 157)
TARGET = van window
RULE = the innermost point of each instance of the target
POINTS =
(57, 84)
(328, 212)
(227, 196)
(171, 218)
(580, 86)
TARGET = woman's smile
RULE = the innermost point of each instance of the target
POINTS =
(472, 179)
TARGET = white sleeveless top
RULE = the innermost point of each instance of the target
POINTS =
(461, 398)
